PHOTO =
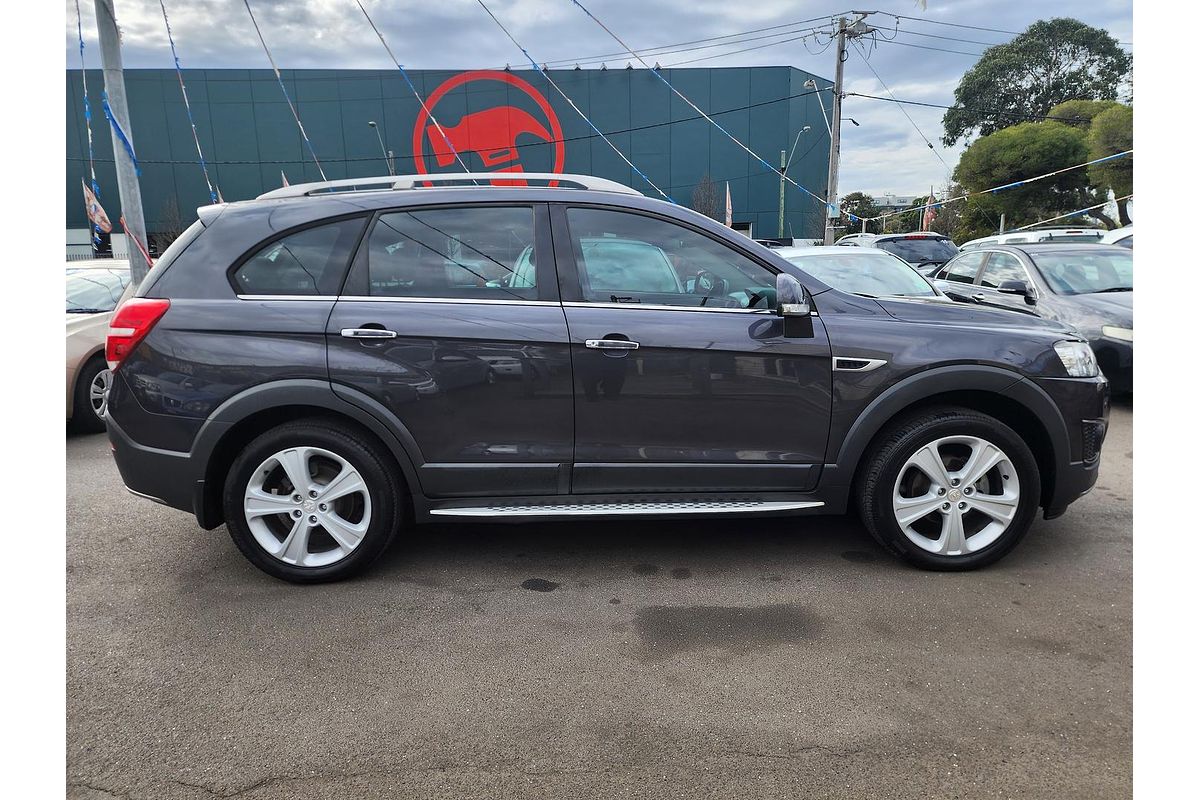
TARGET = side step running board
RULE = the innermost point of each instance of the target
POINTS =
(639, 508)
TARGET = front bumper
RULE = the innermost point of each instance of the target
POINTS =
(1083, 403)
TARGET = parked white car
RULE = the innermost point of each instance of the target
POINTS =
(94, 289)
(1120, 236)
(1073, 235)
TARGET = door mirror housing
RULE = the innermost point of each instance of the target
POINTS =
(1018, 287)
(792, 299)
(794, 304)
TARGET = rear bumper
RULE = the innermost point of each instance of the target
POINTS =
(164, 476)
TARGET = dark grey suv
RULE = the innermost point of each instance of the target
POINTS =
(327, 365)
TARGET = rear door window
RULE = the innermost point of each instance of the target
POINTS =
(312, 261)
(964, 268)
(467, 252)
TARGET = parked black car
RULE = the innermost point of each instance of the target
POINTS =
(1088, 287)
(926, 251)
(389, 354)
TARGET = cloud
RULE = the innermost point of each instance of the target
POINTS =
(884, 154)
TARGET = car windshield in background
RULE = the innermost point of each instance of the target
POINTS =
(1086, 271)
(865, 273)
(920, 249)
(93, 291)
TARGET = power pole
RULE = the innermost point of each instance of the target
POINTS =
(782, 172)
(846, 30)
(835, 132)
(127, 179)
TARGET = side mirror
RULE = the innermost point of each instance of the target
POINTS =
(792, 299)
(1018, 287)
(794, 304)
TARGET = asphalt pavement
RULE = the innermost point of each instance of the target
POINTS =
(724, 658)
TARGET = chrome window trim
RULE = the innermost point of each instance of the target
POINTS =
(654, 307)
(480, 301)
(329, 298)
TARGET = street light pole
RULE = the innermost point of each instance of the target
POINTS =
(127, 179)
(386, 159)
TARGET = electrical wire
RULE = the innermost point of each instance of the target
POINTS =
(996, 111)
(829, 203)
(867, 61)
(413, 89)
(283, 89)
(579, 111)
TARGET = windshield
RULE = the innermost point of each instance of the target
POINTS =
(865, 273)
(920, 249)
(1086, 271)
(92, 291)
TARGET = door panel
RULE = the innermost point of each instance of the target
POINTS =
(684, 380)
(710, 400)
(459, 334)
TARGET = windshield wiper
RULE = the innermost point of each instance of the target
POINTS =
(1115, 289)
(864, 294)
(87, 310)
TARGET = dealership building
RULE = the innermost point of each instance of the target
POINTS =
(505, 121)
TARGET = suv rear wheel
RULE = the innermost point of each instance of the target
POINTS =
(311, 501)
(950, 489)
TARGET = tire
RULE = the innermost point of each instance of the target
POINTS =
(998, 507)
(87, 417)
(348, 529)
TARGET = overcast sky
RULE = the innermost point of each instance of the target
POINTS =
(884, 154)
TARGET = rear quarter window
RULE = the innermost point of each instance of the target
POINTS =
(311, 261)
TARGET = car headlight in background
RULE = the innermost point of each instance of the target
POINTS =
(1078, 359)
(1114, 332)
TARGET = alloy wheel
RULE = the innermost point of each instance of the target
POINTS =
(98, 392)
(307, 506)
(956, 495)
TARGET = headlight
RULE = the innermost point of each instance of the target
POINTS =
(1113, 332)
(1078, 359)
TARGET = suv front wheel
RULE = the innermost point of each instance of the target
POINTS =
(310, 501)
(950, 489)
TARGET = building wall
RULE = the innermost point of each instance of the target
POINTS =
(249, 137)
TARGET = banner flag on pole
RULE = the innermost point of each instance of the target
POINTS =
(95, 211)
(728, 207)
(285, 181)
(930, 212)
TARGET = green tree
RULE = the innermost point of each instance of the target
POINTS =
(1111, 133)
(861, 205)
(1025, 151)
(908, 220)
(1080, 113)
(1051, 62)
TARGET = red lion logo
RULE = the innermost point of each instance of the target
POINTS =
(491, 133)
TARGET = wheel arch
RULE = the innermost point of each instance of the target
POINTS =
(1007, 396)
(96, 352)
(246, 415)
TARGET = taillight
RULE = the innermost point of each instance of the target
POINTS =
(130, 324)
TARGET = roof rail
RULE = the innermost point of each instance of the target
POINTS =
(406, 182)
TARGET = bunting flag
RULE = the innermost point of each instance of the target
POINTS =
(285, 180)
(728, 207)
(95, 211)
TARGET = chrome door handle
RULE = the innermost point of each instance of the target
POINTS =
(368, 333)
(979, 298)
(611, 344)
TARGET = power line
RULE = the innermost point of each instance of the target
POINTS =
(996, 111)
(733, 52)
(967, 27)
(654, 51)
(900, 106)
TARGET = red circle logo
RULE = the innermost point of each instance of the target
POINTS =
(493, 135)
